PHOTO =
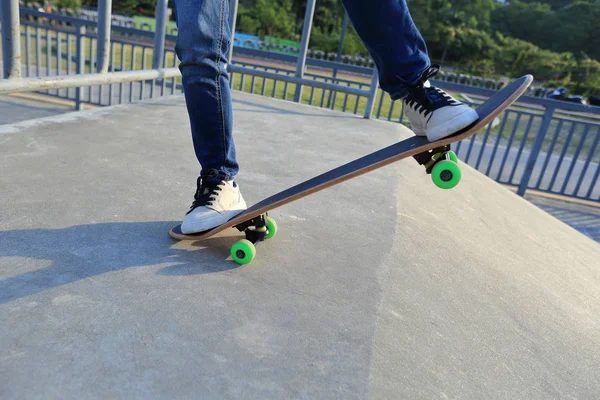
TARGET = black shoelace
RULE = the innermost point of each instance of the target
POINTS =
(205, 194)
(425, 100)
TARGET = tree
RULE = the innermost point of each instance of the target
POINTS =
(268, 17)
(74, 5)
(525, 21)
(573, 27)
(440, 20)
(554, 4)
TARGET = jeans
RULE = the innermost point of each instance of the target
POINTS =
(204, 37)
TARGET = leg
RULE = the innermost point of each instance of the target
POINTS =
(391, 37)
(400, 54)
(202, 47)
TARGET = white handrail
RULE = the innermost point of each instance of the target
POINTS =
(8, 86)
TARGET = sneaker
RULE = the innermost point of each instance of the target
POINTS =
(433, 112)
(214, 204)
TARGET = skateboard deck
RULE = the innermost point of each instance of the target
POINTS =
(437, 158)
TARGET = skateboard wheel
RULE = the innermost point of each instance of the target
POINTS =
(243, 251)
(271, 227)
(446, 174)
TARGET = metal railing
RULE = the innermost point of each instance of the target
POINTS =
(278, 82)
(243, 40)
(540, 151)
(68, 53)
(539, 144)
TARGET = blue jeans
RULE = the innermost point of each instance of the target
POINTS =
(204, 36)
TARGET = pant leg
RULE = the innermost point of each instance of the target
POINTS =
(391, 37)
(203, 40)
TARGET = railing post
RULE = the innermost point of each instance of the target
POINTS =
(233, 7)
(103, 35)
(159, 34)
(372, 95)
(79, 64)
(11, 38)
(308, 18)
(339, 53)
(535, 151)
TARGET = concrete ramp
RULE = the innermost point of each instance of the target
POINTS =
(382, 287)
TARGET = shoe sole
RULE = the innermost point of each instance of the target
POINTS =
(212, 222)
(450, 127)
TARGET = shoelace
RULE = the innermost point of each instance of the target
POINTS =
(205, 194)
(431, 96)
(423, 100)
(213, 195)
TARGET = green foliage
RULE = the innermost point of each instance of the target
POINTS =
(573, 27)
(246, 21)
(74, 5)
(323, 41)
(519, 57)
(353, 45)
(471, 45)
(554, 4)
(586, 76)
(434, 17)
(525, 21)
(267, 17)
(131, 6)
(522, 36)
(558, 41)
(275, 16)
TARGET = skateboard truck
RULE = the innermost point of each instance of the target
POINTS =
(260, 230)
(256, 230)
(428, 158)
(442, 164)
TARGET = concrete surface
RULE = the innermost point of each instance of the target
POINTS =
(383, 287)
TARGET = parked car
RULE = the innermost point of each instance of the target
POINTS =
(561, 94)
(594, 100)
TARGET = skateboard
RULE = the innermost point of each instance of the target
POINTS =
(437, 158)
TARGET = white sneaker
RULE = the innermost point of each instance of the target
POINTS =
(434, 113)
(213, 205)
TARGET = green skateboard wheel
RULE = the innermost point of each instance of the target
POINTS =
(243, 251)
(446, 174)
(271, 227)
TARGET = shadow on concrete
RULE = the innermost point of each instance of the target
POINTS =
(84, 251)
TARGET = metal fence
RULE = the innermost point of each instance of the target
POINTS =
(537, 150)
(538, 144)
(71, 48)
